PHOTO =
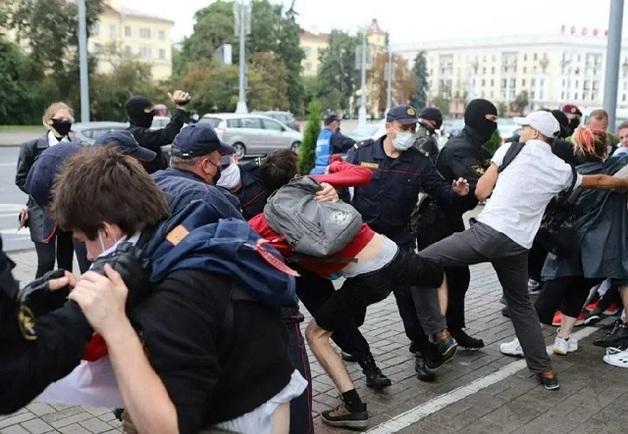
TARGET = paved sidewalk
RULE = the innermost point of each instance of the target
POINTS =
(478, 392)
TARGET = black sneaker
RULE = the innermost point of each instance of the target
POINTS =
(617, 337)
(441, 351)
(423, 373)
(342, 417)
(466, 341)
(549, 380)
(347, 357)
(592, 317)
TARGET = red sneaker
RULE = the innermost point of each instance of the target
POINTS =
(611, 310)
(557, 318)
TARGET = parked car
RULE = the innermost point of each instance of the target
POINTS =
(456, 128)
(159, 122)
(507, 128)
(366, 131)
(87, 132)
(251, 134)
(286, 118)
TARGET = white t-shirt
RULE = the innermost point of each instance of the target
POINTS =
(524, 189)
(52, 140)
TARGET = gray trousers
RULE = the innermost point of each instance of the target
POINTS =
(481, 243)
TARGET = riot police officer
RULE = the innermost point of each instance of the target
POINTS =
(430, 120)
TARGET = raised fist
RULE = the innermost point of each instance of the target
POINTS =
(179, 98)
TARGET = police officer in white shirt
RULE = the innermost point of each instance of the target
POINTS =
(507, 226)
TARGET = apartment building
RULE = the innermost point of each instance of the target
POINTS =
(565, 66)
(122, 32)
(313, 42)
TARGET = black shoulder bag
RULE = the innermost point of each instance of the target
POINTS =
(557, 233)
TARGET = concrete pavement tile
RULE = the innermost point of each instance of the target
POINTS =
(513, 415)
(16, 418)
(424, 427)
(40, 408)
(95, 425)
(14, 429)
(37, 426)
(74, 418)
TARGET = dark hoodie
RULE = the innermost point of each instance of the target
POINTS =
(153, 139)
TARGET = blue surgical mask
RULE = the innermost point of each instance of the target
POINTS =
(403, 140)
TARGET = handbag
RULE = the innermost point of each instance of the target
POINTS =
(557, 233)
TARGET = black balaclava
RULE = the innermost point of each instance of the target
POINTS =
(135, 109)
(574, 123)
(565, 129)
(475, 117)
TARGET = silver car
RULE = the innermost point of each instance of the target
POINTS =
(253, 134)
(87, 132)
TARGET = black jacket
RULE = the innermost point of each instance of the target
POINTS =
(252, 194)
(562, 148)
(155, 139)
(41, 227)
(462, 157)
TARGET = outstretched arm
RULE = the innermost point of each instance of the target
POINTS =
(486, 183)
(604, 182)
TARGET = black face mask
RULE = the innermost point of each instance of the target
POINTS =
(218, 172)
(574, 123)
(62, 127)
(135, 109)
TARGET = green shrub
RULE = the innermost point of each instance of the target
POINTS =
(493, 143)
(307, 150)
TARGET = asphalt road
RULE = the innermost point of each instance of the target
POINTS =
(12, 199)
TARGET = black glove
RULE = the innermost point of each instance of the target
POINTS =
(134, 268)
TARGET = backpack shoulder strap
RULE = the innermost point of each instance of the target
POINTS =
(511, 153)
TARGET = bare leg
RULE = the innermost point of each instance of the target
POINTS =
(442, 295)
(318, 339)
(567, 324)
(623, 292)
(281, 419)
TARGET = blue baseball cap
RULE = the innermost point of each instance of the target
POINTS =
(197, 140)
(43, 171)
(403, 113)
(126, 144)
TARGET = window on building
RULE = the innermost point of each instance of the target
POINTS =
(97, 48)
(536, 56)
(623, 97)
(96, 29)
(113, 30)
(162, 35)
(504, 83)
(483, 70)
(577, 83)
(593, 96)
(525, 57)
(575, 95)
(562, 95)
(512, 82)
(525, 69)
(493, 70)
(532, 82)
(483, 82)
(145, 33)
(127, 49)
(307, 66)
(585, 95)
(532, 93)
(127, 31)
(162, 54)
(492, 82)
(523, 82)
(145, 52)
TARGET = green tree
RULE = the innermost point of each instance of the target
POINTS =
(311, 89)
(337, 70)
(21, 94)
(442, 104)
(419, 70)
(268, 83)
(290, 54)
(213, 27)
(493, 143)
(502, 109)
(109, 92)
(521, 102)
(307, 156)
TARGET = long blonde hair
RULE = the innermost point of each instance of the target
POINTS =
(54, 108)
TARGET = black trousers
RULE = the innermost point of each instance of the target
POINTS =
(536, 259)
(313, 291)
(59, 248)
(567, 294)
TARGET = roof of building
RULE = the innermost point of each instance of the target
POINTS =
(306, 34)
(130, 12)
(374, 28)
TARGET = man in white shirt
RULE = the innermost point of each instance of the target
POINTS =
(508, 224)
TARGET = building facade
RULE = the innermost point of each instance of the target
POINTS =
(122, 32)
(550, 70)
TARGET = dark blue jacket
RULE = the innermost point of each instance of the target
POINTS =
(388, 200)
(252, 194)
(182, 187)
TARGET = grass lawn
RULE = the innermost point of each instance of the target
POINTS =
(36, 128)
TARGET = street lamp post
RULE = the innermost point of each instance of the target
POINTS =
(242, 13)
(84, 77)
(389, 81)
(362, 109)
(613, 51)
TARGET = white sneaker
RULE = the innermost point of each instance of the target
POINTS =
(563, 346)
(511, 348)
(616, 357)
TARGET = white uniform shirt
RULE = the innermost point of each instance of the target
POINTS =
(52, 140)
(524, 189)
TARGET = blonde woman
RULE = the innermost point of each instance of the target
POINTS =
(50, 243)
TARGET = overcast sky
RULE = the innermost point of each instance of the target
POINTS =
(416, 20)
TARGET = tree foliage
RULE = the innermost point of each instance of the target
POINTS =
(403, 81)
(442, 104)
(337, 71)
(520, 103)
(422, 87)
(307, 157)
(493, 143)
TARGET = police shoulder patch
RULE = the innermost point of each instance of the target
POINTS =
(26, 321)
(362, 143)
(478, 169)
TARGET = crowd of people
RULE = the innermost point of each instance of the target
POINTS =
(189, 291)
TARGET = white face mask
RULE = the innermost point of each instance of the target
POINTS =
(403, 140)
(230, 177)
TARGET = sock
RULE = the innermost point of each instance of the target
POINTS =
(352, 400)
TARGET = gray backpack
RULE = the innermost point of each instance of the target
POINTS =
(312, 228)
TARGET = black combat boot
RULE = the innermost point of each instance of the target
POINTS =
(464, 340)
(375, 379)
(423, 373)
